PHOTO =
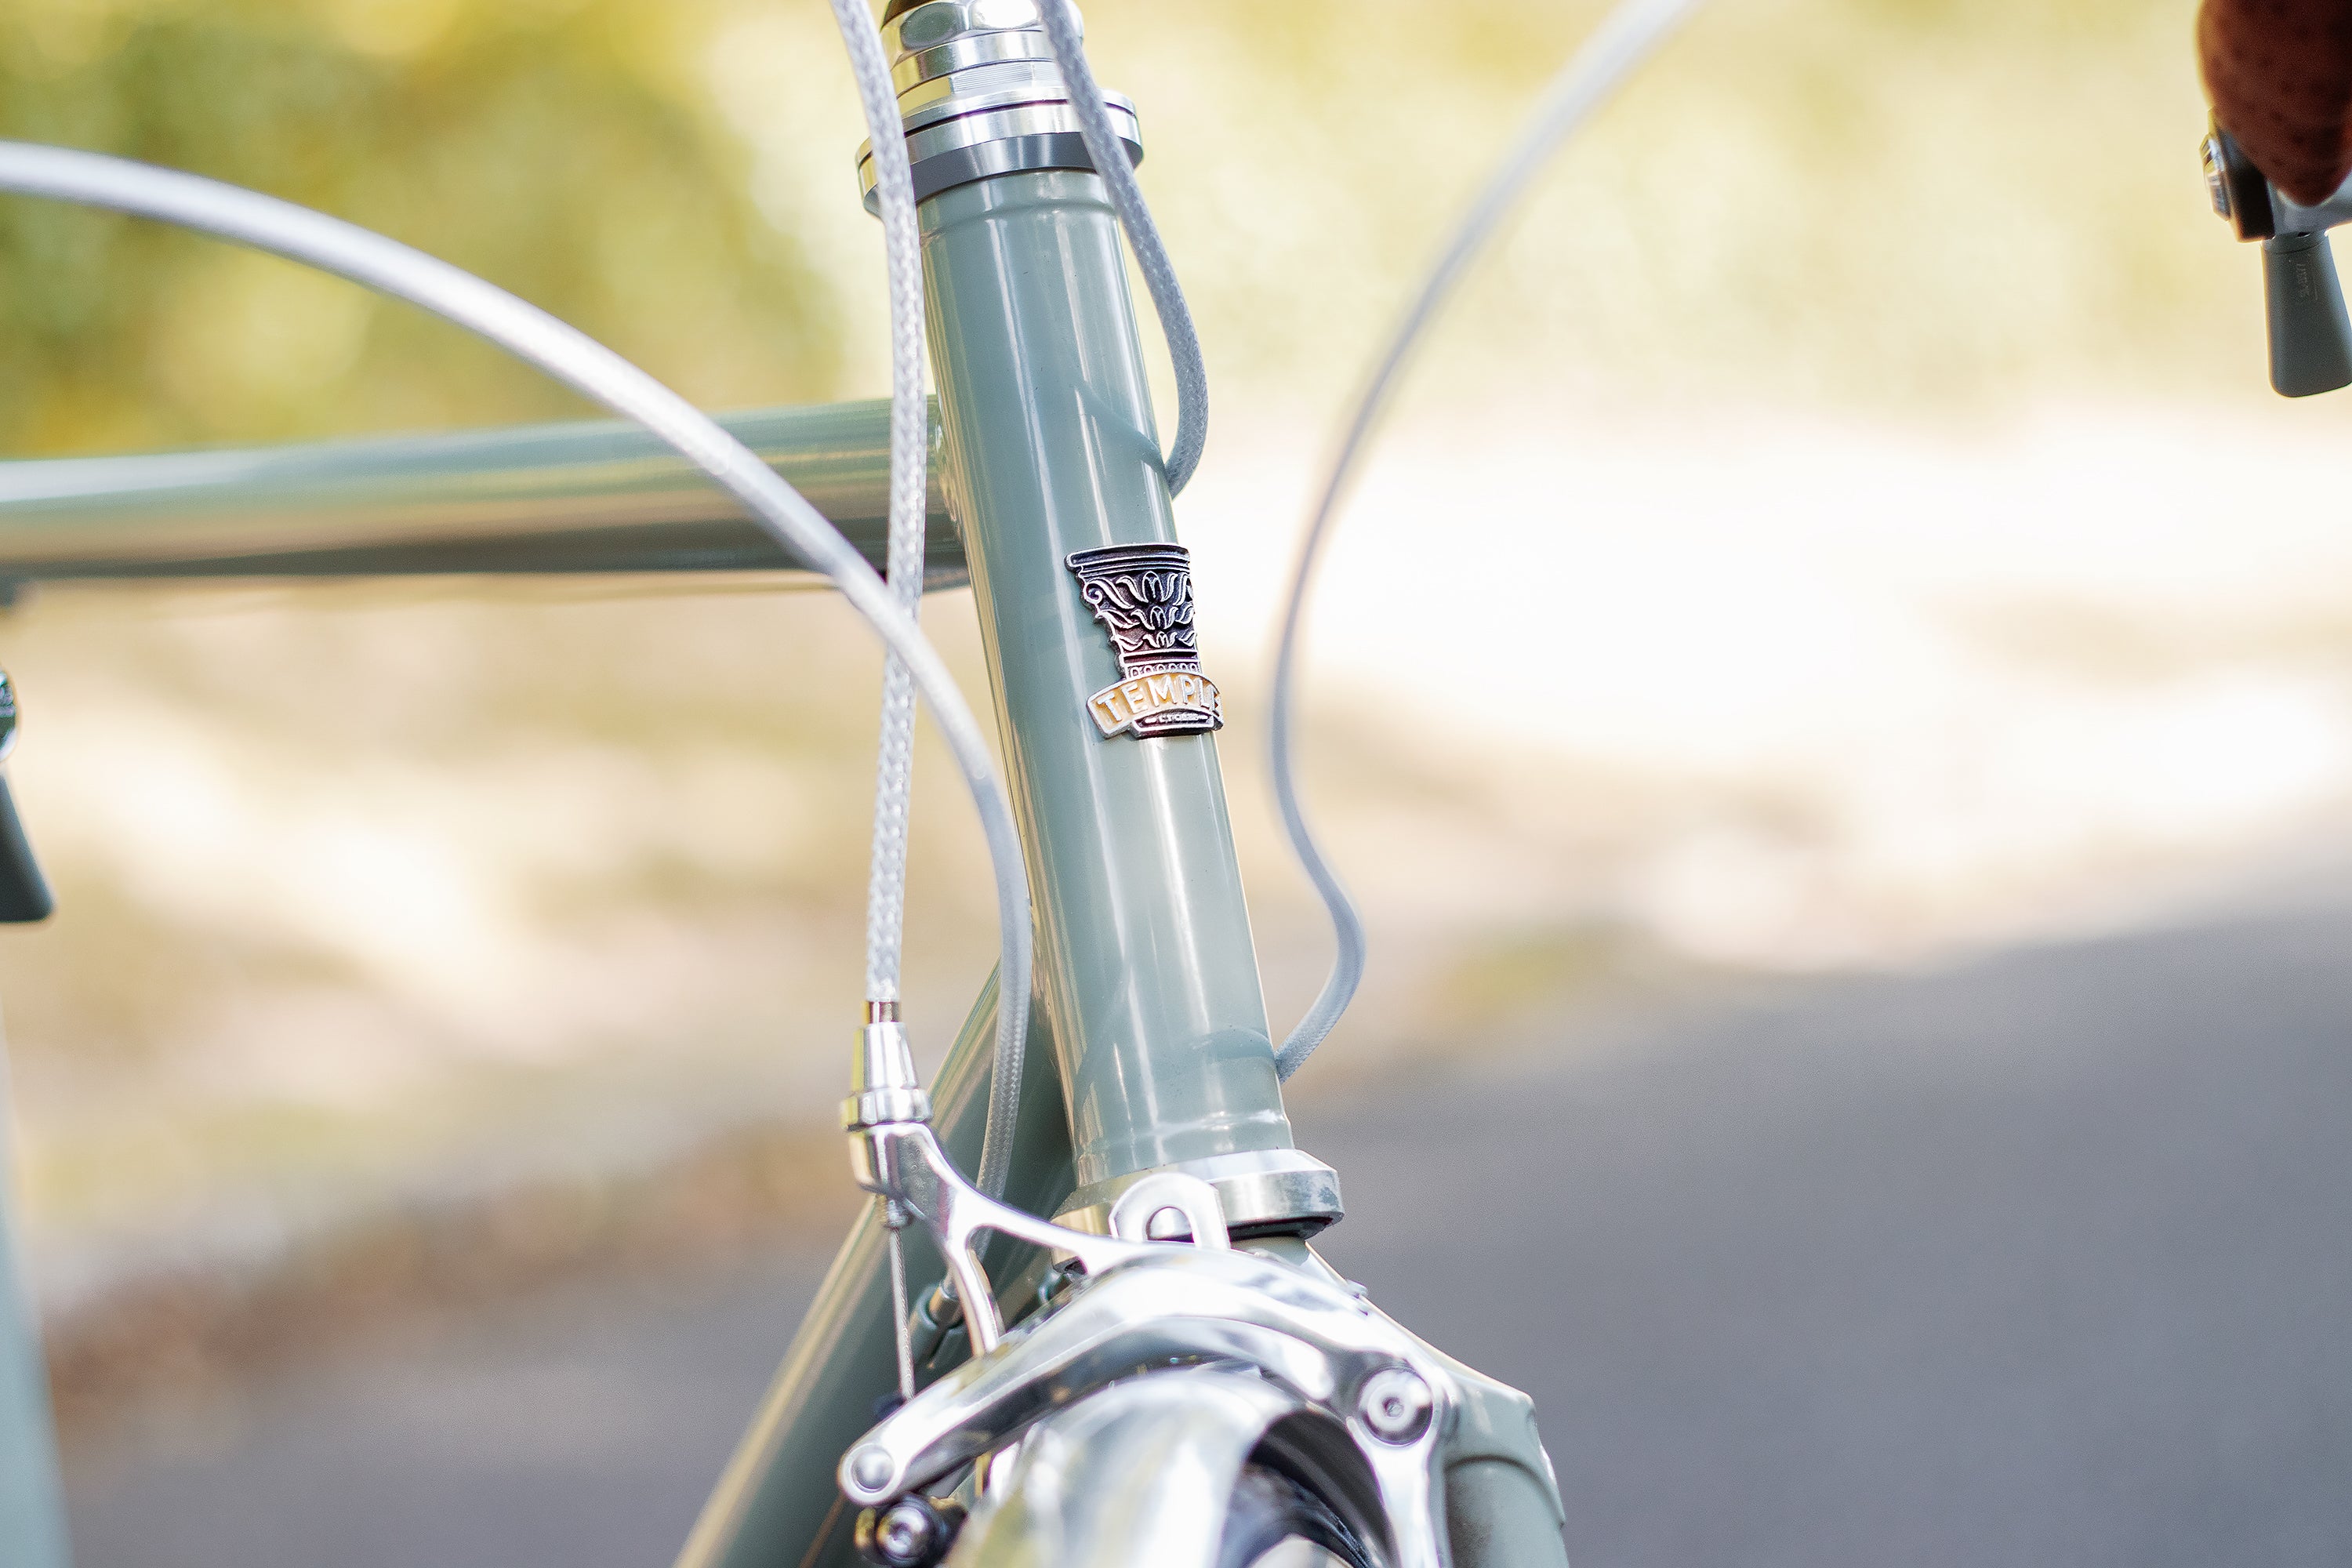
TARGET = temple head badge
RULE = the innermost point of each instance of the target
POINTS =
(1143, 593)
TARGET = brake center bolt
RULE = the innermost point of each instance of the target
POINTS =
(1396, 1404)
(903, 1534)
(916, 1531)
(871, 1468)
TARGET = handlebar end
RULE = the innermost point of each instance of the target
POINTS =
(2311, 336)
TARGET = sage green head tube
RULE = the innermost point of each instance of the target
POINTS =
(32, 1521)
(1144, 957)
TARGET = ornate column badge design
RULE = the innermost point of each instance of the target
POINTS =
(1143, 593)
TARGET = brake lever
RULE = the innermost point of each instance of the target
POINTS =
(2310, 333)
(24, 895)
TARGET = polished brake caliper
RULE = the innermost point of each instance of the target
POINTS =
(1374, 1392)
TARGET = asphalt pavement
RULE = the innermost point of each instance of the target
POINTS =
(2044, 1258)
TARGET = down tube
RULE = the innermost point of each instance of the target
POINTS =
(777, 1506)
(32, 1516)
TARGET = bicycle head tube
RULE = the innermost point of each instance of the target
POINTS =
(1146, 974)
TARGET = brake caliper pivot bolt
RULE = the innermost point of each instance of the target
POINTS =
(1396, 1404)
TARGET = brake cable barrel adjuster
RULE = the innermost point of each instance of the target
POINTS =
(981, 96)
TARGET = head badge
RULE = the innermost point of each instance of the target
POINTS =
(1143, 593)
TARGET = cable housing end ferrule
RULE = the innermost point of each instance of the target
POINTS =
(886, 1090)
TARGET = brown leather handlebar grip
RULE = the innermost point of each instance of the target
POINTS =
(2280, 75)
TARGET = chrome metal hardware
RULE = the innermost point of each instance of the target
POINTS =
(1382, 1403)
(869, 1468)
(981, 96)
(1396, 1404)
(1187, 1204)
(1373, 1404)
(886, 1087)
(903, 1162)
(913, 1533)
(1142, 1474)
(1257, 1190)
(2237, 188)
(2217, 183)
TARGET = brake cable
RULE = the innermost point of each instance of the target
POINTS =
(1626, 37)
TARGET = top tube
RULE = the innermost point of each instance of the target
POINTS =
(589, 496)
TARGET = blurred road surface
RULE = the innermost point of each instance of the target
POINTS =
(2046, 1258)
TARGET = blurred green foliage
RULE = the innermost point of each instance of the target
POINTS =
(1869, 203)
(491, 876)
(565, 149)
(1876, 204)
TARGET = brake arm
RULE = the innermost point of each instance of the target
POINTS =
(1394, 1399)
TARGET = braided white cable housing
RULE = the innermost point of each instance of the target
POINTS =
(886, 889)
(1613, 50)
(596, 372)
(1109, 154)
(903, 258)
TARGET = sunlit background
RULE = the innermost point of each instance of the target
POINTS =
(1844, 524)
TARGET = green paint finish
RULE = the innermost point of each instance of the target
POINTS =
(1499, 1515)
(1502, 1501)
(589, 497)
(1149, 1001)
(32, 1519)
(1146, 969)
(777, 1506)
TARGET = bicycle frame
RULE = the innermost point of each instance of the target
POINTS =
(32, 1519)
(590, 497)
(1147, 1004)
